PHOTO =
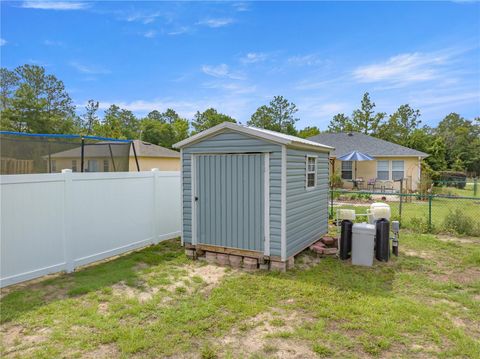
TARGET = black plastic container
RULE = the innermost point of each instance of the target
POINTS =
(346, 239)
(382, 240)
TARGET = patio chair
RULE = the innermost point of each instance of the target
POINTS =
(371, 184)
(388, 186)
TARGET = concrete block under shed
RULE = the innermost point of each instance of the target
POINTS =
(223, 259)
(278, 266)
(190, 253)
(211, 257)
(235, 261)
(250, 263)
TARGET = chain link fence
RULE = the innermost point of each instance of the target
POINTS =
(429, 213)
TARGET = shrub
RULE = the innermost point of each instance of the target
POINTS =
(453, 179)
(420, 224)
(424, 186)
(459, 222)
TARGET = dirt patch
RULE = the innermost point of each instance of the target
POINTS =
(466, 276)
(125, 291)
(103, 308)
(103, 351)
(256, 336)
(419, 254)
(462, 240)
(15, 339)
(208, 275)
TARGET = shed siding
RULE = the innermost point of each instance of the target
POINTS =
(307, 210)
(233, 142)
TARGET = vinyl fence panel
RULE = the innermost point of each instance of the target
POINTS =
(55, 222)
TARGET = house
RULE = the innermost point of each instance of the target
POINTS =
(110, 156)
(392, 162)
(252, 192)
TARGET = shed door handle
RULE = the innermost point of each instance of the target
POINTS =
(196, 198)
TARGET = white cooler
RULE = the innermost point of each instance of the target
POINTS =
(363, 242)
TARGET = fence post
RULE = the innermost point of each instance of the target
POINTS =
(156, 212)
(67, 221)
(475, 187)
(430, 211)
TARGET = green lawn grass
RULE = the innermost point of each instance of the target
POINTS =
(424, 303)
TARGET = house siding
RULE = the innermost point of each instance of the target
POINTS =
(368, 170)
(233, 142)
(307, 210)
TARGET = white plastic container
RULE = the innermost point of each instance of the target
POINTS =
(378, 210)
(363, 242)
(346, 214)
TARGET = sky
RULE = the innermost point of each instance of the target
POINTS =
(236, 56)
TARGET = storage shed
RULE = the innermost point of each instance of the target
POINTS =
(253, 192)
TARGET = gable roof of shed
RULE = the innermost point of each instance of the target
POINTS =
(268, 135)
(346, 142)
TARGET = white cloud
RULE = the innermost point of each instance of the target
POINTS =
(220, 71)
(305, 60)
(88, 69)
(241, 6)
(236, 106)
(144, 18)
(315, 108)
(54, 5)
(253, 57)
(3, 42)
(214, 23)
(403, 68)
(230, 87)
(181, 30)
(150, 34)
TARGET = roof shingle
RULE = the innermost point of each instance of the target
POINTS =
(345, 142)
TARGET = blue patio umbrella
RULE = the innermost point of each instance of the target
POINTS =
(355, 156)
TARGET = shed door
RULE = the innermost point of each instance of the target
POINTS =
(230, 197)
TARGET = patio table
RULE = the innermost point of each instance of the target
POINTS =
(356, 182)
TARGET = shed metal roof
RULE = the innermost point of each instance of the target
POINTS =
(345, 142)
(268, 135)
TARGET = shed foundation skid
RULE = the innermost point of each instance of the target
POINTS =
(238, 258)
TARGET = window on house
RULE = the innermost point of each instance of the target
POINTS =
(74, 165)
(92, 166)
(347, 170)
(106, 166)
(397, 170)
(382, 170)
(311, 172)
(54, 166)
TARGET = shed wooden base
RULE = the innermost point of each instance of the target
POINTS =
(238, 258)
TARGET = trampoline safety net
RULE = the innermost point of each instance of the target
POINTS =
(23, 153)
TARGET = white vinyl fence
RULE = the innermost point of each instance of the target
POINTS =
(57, 222)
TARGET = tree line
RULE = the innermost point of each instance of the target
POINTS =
(36, 102)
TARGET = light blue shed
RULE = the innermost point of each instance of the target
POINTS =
(255, 192)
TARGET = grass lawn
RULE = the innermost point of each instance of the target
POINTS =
(155, 303)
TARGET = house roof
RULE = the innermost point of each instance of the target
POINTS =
(146, 149)
(268, 135)
(345, 142)
(143, 149)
